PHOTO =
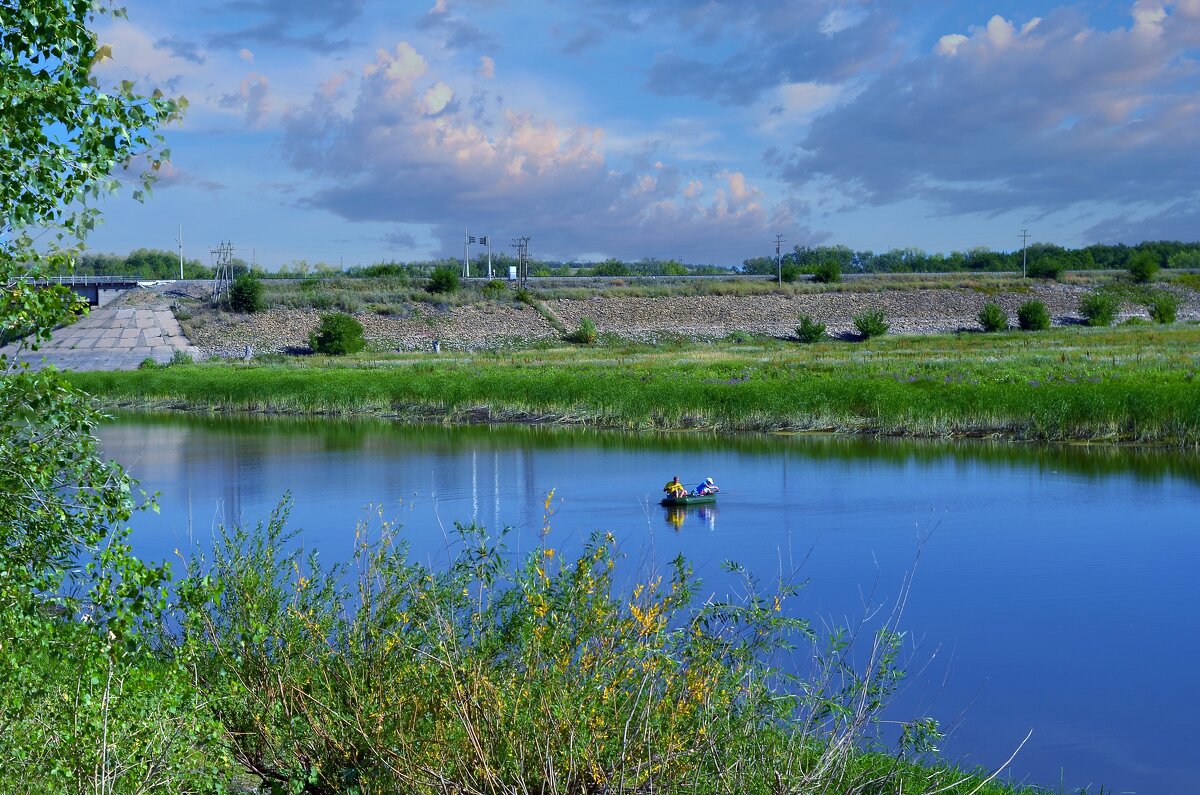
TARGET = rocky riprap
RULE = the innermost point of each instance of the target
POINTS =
(491, 325)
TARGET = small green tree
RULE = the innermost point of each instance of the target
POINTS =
(337, 335)
(246, 294)
(1143, 266)
(443, 280)
(1032, 316)
(810, 330)
(789, 273)
(992, 317)
(871, 323)
(828, 271)
(1099, 308)
(1164, 307)
(1046, 268)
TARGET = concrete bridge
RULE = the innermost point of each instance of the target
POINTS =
(98, 290)
(116, 337)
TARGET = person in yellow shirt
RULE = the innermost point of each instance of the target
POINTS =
(675, 489)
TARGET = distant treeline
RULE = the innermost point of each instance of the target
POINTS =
(1040, 258)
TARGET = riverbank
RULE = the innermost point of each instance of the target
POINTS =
(1133, 384)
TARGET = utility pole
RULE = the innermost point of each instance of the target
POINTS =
(180, 241)
(521, 244)
(778, 260)
(1024, 237)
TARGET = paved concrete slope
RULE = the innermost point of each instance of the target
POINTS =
(111, 339)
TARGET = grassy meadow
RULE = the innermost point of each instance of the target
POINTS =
(1134, 384)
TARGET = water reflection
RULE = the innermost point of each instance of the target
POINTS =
(703, 516)
(365, 435)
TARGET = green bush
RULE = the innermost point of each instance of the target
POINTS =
(992, 317)
(494, 289)
(443, 280)
(586, 333)
(789, 273)
(246, 294)
(337, 335)
(1143, 266)
(1164, 307)
(1045, 268)
(810, 330)
(871, 323)
(828, 272)
(1099, 308)
(1032, 316)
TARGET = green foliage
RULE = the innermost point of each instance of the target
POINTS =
(810, 330)
(828, 271)
(500, 674)
(1032, 316)
(85, 703)
(586, 333)
(611, 267)
(246, 294)
(1143, 267)
(871, 323)
(443, 280)
(337, 334)
(1099, 308)
(1164, 307)
(1045, 268)
(494, 289)
(992, 317)
(789, 273)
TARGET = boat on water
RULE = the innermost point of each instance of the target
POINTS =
(690, 499)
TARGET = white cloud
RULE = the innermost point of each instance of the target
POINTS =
(437, 98)
(487, 67)
(405, 151)
(246, 55)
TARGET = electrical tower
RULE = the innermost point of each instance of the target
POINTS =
(521, 244)
(222, 259)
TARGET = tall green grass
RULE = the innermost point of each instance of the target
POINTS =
(1127, 384)
(535, 675)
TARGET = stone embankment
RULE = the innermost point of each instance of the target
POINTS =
(488, 325)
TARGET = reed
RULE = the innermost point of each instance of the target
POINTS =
(1126, 384)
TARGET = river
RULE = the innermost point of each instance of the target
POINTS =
(1053, 588)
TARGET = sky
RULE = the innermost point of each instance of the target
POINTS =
(357, 131)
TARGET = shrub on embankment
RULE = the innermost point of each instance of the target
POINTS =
(1117, 384)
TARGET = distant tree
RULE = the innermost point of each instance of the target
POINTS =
(611, 267)
(759, 266)
(1184, 258)
(1143, 266)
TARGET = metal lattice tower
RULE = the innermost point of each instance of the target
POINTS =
(222, 259)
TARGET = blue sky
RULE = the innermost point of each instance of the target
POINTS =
(354, 131)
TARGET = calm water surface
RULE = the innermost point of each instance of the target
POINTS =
(1054, 589)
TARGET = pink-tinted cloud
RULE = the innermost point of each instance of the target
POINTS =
(405, 151)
